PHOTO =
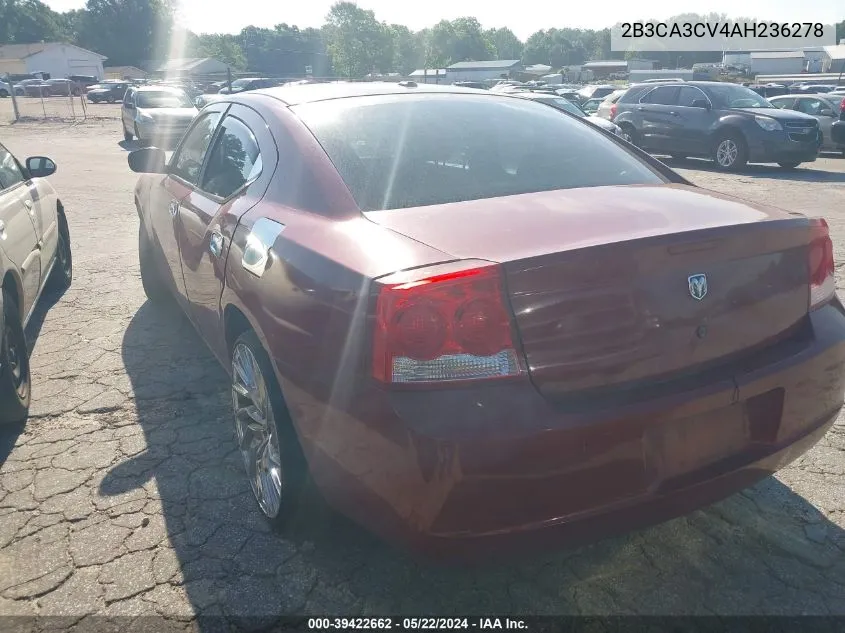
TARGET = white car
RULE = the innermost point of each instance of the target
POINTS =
(156, 113)
(567, 106)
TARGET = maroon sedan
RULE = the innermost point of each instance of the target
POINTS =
(472, 319)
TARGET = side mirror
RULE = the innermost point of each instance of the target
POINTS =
(149, 160)
(199, 102)
(701, 103)
(40, 166)
(129, 106)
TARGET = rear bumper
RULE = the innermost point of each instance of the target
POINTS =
(464, 473)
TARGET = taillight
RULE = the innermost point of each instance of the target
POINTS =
(822, 281)
(842, 105)
(613, 111)
(435, 325)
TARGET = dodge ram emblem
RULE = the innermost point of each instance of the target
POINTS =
(697, 286)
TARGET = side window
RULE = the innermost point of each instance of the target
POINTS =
(187, 163)
(128, 97)
(234, 160)
(783, 104)
(664, 95)
(688, 95)
(10, 173)
(810, 106)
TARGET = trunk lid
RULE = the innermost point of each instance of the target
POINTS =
(603, 281)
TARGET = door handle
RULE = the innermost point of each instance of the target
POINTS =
(640, 108)
(174, 208)
(28, 205)
(2, 230)
(215, 244)
(674, 113)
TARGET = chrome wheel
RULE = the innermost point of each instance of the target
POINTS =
(256, 430)
(727, 152)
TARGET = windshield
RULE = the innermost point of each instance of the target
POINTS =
(397, 152)
(241, 83)
(164, 99)
(732, 96)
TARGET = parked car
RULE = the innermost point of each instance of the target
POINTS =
(591, 106)
(826, 108)
(731, 124)
(156, 113)
(5, 90)
(84, 81)
(837, 132)
(250, 83)
(34, 254)
(596, 91)
(62, 88)
(606, 109)
(811, 88)
(29, 87)
(449, 309)
(565, 105)
(107, 92)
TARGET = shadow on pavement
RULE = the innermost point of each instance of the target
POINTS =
(10, 434)
(805, 172)
(766, 551)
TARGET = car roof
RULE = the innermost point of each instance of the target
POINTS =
(159, 88)
(308, 93)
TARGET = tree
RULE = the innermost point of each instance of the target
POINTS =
(506, 45)
(408, 53)
(355, 40)
(30, 21)
(127, 31)
(459, 40)
(225, 47)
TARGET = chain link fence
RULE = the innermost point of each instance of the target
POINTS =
(58, 101)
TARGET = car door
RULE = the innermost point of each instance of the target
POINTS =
(689, 122)
(654, 107)
(41, 206)
(183, 173)
(17, 232)
(235, 177)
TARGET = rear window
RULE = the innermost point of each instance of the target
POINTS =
(398, 152)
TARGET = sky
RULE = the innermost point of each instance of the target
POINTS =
(523, 18)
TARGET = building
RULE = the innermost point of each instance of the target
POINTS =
(191, 68)
(813, 59)
(58, 59)
(124, 72)
(776, 62)
(479, 71)
(428, 75)
(606, 67)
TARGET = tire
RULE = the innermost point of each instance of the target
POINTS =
(111, 100)
(629, 133)
(790, 165)
(127, 136)
(15, 386)
(141, 141)
(62, 274)
(155, 286)
(730, 152)
(4, 94)
(281, 483)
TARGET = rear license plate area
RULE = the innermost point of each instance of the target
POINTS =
(684, 446)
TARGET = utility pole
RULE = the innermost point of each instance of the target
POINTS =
(12, 95)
